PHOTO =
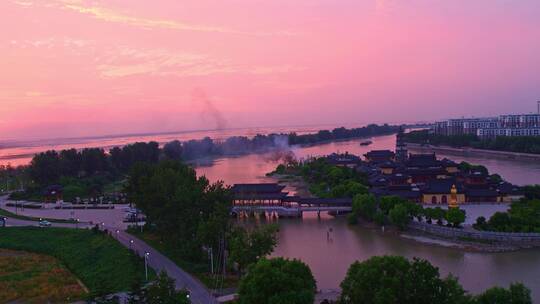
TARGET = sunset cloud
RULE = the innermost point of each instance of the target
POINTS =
(115, 16)
(353, 62)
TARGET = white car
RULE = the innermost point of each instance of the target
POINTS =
(44, 223)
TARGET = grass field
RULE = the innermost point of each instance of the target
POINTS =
(99, 261)
(6, 213)
(34, 278)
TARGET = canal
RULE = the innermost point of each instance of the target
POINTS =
(329, 259)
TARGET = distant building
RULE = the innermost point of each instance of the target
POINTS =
(401, 147)
(503, 125)
(344, 160)
(425, 179)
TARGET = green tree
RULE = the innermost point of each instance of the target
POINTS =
(185, 210)
(162, 291)
(438, 214)
(379, 218)
(247, 247)
(500, 221)
(394, 279)
(365, 205)
(387, 203)
(428, 214)
(516, 294)
(45, 168)
(455, 216)
(481, 223)
(277, 281)
(399, 216)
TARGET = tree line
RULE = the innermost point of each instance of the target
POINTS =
(523, 216)
(520, 144)
(378, 280)
(399, 212)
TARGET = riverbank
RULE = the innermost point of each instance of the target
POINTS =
(465, 151)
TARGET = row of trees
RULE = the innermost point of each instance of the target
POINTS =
(523, 216)
(522, 144)
(378, 280)
(48, 167)
(399, 211)
(342, 133)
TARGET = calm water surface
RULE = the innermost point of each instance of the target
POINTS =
(306, 238)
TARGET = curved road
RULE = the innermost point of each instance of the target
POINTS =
(159, 262)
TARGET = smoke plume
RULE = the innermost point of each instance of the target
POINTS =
(209, 110)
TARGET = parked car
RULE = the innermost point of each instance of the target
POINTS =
(44, 223)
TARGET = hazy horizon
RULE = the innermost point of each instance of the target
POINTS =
(79, 68)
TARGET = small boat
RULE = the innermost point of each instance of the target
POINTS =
(366, 143)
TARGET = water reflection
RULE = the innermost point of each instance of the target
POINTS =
(306, 238)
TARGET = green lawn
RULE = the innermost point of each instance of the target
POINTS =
(6, 213)
(98, 260)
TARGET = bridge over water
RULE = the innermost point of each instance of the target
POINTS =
(270, 198)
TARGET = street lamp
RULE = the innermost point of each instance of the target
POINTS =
(130, 244)
(117, 234)
(77, 223)
(146, 254)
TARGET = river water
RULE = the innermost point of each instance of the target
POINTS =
(306, 238)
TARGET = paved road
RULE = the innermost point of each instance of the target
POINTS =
(199, 293)
(13, 222)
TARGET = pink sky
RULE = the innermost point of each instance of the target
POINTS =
(76, 67)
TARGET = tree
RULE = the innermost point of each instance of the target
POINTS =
(379, 218)
(516, 294)
(500, 221)
(162, 291)
(394, 279)
(277, 281)
(399, 216)
(428, 213)
(184, 209)
(173, 150)
(481, 223)
(455, 216)
(365, 205)
(387, 203)
(438, 214)
(45, 168)
(247, 247)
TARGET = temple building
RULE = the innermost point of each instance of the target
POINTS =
(379, 156)
(257, 194)
(425, 179)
